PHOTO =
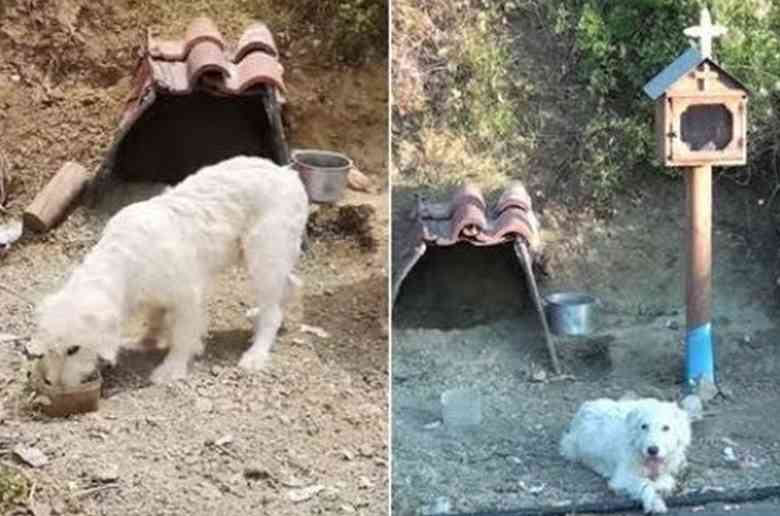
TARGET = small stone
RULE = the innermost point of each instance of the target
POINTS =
(315, 330)
(539, 376)
(107, 474)
(706, 390)
(433, 425)
(204, 405)
(727, 441)
(304, 493)
(729, 455)
(347, 455)
(224, 440)
(672, 325)
(693, 406)
(33, 457)
(366, 451)
(16, 78)
(347, 509)
(365, 483)
(256, 472)
(357, 180)
(536, 489)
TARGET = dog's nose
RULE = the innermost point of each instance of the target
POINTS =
(652, 450)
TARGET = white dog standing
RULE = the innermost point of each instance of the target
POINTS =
(160, 256)
(637, 445)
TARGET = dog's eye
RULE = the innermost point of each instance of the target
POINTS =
(72, 350)
(665, 428)
(644, 426)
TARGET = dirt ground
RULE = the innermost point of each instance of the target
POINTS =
(305, 436)
(634, 266)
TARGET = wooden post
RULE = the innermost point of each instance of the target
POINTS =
(52, 203)
(521, 250)
(699, 361)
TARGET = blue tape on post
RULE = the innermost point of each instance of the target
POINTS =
(698, 354)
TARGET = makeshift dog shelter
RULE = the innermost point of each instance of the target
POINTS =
(197, 101)
(466, 220)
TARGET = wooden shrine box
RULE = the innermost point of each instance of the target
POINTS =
(700, 113)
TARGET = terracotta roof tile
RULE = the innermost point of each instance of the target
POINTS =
(467, 218)
(205, 67)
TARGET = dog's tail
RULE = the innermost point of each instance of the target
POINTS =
(568, 445)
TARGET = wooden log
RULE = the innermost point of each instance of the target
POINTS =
(51, 204)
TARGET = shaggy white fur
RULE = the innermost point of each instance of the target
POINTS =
(637, 445)
(160, 255)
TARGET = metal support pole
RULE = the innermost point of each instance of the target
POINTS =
(699, 361)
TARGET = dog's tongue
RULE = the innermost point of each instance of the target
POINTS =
(653, 465)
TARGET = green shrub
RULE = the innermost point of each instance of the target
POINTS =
(622, 45)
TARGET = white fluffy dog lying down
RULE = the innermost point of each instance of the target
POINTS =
(160, 255)
(637, 445)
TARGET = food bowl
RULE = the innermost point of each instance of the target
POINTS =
(570, 313)
(324, 173)
(67, 401)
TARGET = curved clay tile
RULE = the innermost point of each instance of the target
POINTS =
(515, 196)
(257, 68)
(256, 37)
(171, 76)
(167, 50)
(203, 29)
(512, 223)
(206, 57)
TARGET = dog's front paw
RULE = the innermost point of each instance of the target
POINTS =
(169, 372)
(253, 361)
(665, 484)
(654, 505)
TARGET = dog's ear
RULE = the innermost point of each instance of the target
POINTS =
(633, 418)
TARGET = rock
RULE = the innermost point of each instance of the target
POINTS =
(539, 376)
(706, 390)
(256, 472)
(693, 406)
(224, 440)
(304, 493)
(433, 425)
(31, 456)
(365, 483)
(357, 180)
(729, 455)
(347, 455)
(347, 509)
(672, 324)
(204, 405)
(107, 474)
(315, 330)
(366, 451)
(536, 489)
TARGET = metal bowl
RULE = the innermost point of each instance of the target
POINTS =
(71, 400)
(570, 313)
(324, 173)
